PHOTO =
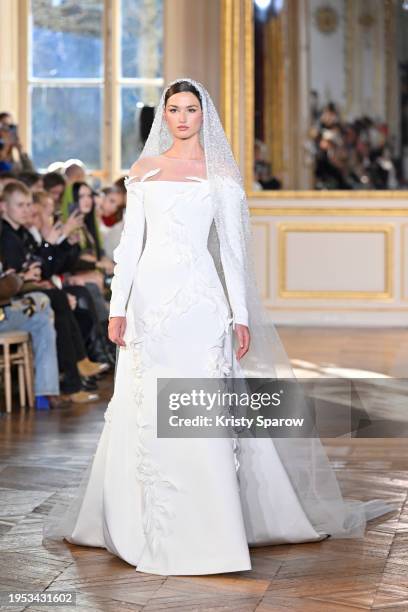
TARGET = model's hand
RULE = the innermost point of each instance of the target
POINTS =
(243, 336)
(116, 330)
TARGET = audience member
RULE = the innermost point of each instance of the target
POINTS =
(12, 155)
(21, 253)
(54, 184)
(110, 222)
(75, 171)
(32, 313)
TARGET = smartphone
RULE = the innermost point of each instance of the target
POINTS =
(13, 131)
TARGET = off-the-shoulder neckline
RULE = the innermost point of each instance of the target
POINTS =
(154, 171)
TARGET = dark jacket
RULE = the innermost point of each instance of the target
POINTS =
(19, 249)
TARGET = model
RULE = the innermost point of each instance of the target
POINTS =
(183, 289)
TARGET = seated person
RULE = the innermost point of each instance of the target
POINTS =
(65, 254)
(33, 313)
(21, 253)
(54, 184)
(93, 263)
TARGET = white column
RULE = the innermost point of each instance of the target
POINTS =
(9, 37)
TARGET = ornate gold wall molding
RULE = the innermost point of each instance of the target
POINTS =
(9, 57)
(24, 117)
(386, 229)
(403, 267)
(249, 127)
(315, 211)
(231, 24)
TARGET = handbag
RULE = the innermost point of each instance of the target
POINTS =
(10, 285)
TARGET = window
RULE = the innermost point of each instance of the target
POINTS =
(95, 72)
(141, 34)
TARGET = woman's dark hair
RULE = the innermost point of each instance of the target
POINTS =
(120, 184)
(112, 189)
(90, 218)
(118, 216)
(51, 179)
(179, 87)
(75, 194)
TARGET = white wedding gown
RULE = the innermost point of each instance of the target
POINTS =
(176, 506)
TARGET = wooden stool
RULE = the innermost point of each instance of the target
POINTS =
(22, 358)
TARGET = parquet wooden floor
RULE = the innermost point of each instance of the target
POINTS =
(39, 452)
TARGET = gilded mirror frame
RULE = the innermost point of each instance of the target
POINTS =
(237, 82)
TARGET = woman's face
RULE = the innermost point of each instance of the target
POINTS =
(85, 199)
(111, 204)
(183, 115)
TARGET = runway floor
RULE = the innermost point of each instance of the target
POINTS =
(39, 452)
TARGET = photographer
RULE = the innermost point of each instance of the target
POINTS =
(12, 155)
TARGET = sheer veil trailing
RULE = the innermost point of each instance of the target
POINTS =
(304, 459)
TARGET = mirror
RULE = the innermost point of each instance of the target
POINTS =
(329, 95)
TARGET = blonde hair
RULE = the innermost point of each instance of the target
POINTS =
(14, 187)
